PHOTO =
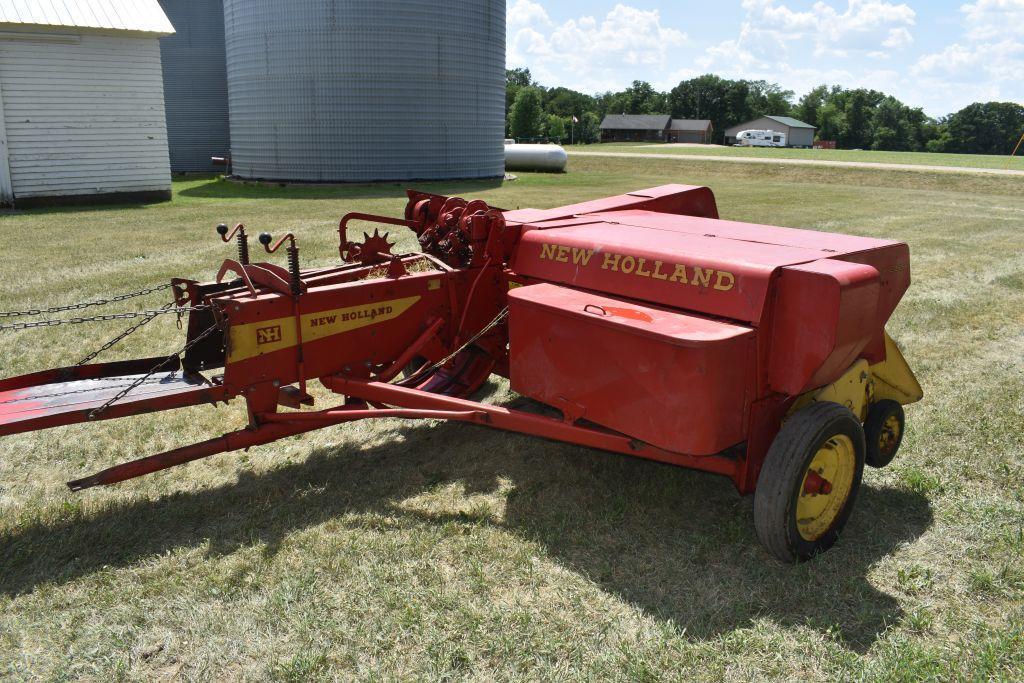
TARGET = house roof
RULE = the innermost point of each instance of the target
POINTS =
(636, 122)
(700, 125)
(791, 122)
(136, 16)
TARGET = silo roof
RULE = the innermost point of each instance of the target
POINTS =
(136, 16)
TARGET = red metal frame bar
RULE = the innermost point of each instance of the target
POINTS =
(414, 405)
(526, 423)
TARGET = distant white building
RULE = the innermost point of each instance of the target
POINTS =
(81, 102)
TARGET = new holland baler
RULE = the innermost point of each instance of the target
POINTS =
(653, 329)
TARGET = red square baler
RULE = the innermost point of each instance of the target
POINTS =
(652, 327)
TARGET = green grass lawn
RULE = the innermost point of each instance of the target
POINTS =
(426, 550)
(865, 156)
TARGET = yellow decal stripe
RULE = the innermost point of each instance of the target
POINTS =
(255, 339)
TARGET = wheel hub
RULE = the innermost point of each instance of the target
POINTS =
(826, 487)
(890, 435)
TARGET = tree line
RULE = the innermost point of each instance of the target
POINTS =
(854, 118)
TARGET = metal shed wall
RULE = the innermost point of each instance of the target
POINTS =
(363, 90)
(195, 83)
(83, 114)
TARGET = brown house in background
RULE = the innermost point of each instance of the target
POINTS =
(690, 130)
(654, 128)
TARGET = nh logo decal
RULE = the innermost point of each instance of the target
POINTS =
(268, 335)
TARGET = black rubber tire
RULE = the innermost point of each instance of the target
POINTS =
(874, 426)
(782, 476)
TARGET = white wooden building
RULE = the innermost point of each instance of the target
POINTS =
(81, 102)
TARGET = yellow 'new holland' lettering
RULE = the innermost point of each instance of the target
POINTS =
(627, 264)
(611, 261)
(581, 257)
(702, 276)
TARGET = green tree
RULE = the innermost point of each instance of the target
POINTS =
(985, 128)
(725, 102)
(808, 109)
(565, 102)
(831, 122)
(768, 99)
(526, 118)
(639, 98)
(555, 128)
(515, 80)
(588, 130)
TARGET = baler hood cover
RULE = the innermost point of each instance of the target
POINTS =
(703, 264)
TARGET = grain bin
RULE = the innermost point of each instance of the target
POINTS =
(365, 90)
(195, 83)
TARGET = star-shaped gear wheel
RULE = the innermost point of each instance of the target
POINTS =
(375, 248)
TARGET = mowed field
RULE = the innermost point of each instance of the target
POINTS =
(990, 161)
(400, 550)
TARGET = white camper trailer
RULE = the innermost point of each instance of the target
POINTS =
(760, 138)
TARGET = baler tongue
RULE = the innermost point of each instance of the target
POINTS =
(64, 396)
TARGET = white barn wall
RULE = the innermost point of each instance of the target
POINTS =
(84, 114)
(6, 191)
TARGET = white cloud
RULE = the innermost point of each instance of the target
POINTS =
(601, 54)
(992, 62)
(526, 13)
(898, 38)
(864, 25)
(770, 31)
(988, 19)
(986, 64)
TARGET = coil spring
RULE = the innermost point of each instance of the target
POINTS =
(293, 268)
(243, 248)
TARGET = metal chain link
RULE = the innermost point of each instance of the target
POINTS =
(85, 304)
(93, 414)
(100, 318)
(137, 326)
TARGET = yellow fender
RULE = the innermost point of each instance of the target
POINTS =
(893, 377)
(863, 384)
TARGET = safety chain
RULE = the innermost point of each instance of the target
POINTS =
(86, 304)
(99, 318)
(427, 369)
(93, 414)
(118, 338)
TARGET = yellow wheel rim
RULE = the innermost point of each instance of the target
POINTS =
(890, 435)
(825, 487)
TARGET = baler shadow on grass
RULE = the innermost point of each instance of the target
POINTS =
(676, 543)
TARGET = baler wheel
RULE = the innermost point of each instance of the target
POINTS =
(883, 432)
(809, 481)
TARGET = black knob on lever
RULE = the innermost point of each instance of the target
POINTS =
(240, 238)
(293, 256)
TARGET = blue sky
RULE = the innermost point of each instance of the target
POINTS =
(934, 54)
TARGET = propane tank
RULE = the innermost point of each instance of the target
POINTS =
(550, 158)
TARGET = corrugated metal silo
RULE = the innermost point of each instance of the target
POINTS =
(195, 84)
(362, 90)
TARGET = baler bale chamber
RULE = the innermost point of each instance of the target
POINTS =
(650, 326)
